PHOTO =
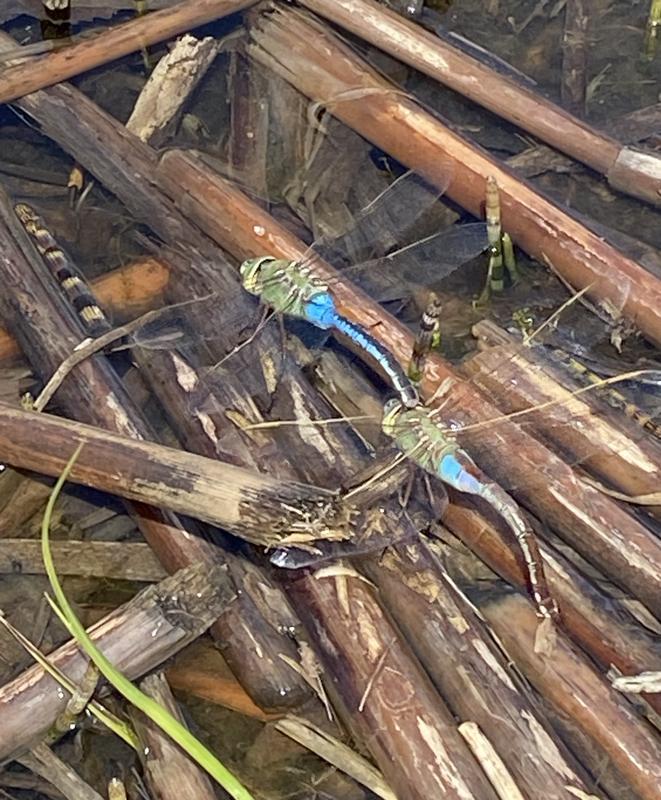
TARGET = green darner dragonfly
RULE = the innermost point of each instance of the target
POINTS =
(418, 436)
(387, 273)
(422, 438)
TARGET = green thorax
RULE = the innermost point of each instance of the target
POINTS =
(285, 286)
(417, 436)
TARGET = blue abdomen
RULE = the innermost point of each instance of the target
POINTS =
(320, 310)
(451, 472)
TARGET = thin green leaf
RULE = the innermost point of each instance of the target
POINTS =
(159, 715)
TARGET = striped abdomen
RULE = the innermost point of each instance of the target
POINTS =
(65, 273)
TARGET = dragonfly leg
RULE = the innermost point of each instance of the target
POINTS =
(405, 492)
(485, 295)
(437, 496)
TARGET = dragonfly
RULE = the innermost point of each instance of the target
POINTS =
(421, 438)
(366, 254)
(416, 434)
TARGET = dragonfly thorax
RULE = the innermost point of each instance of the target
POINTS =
(418, 436)
(290, 288)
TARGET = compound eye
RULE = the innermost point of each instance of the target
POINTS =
(391, 405)
(251, 273)
(249, 266)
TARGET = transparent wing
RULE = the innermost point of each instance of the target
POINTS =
(585, 438)
(424, 263)
(591, 423)
(391, 277)
(383, 222)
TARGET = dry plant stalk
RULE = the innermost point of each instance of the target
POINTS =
(169, 86)
(473, 674)
(383, 692)
(169, 773)
(617, 452)
(253, 644)
(258, 508)
(589, 615)
(121, 40)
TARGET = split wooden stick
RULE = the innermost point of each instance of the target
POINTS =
(136, 637)
(210, 490)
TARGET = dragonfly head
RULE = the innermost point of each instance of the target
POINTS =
(391, 411)
(251, 273)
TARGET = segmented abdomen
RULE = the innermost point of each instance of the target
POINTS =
(65, 273)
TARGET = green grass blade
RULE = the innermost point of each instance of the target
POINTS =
(159, 715)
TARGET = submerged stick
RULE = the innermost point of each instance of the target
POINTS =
(383, 694)
(172, 725)
(251, 642)
(145, 632)
(167, 771)
(616, 451)
(570, 684)
(462, 660)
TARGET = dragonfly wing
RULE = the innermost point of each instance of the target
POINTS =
(577, 422)
(179, 325)
(421, 264)
(383, 221)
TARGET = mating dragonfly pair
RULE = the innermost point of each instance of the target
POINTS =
(293, 288)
